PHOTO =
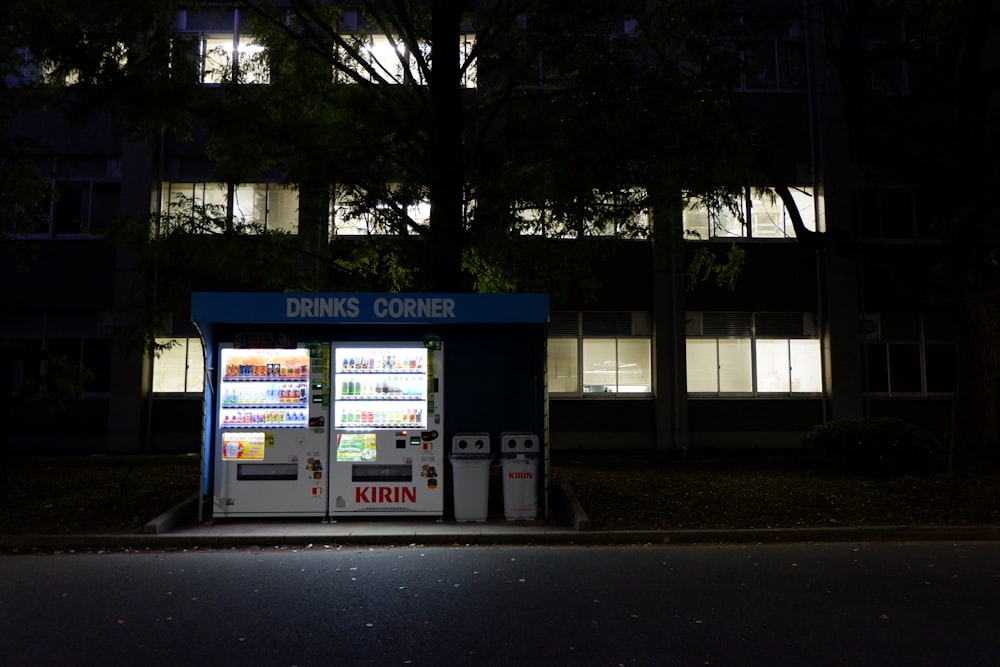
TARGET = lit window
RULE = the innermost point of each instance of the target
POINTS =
(220, 54)
(768, 218)
(752, 354)
(788, 366)
(179, 369)
(198, 207)
(600, 353)
(806, 361)
(381, 58)
(215, 40)
(619, 365)
(735, 365)
(256, 206)
(600, 366)
(702, 366)
(563, 365)
(623, 214)
(216, 58)
(470, 70)
(266, 206)
(356, 214)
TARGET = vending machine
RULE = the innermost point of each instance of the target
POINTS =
(386, 446)
(272, 430)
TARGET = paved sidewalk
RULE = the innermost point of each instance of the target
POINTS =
(572, 528)
(234, 532)
(296, 533)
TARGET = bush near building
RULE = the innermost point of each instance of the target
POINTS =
(877, 445)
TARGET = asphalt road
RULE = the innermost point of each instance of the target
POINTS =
(806, 604)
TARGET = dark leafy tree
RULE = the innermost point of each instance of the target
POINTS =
(575, 126)
(581, 123)
(921, 109)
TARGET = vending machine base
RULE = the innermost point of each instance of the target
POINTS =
(257, 489)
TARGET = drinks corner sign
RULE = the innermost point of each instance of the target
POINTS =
(369, 308)
(393, 308)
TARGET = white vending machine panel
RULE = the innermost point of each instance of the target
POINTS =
(386, 447)
(272, 432)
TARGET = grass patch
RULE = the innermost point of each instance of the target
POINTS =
(92, 494)
(633, 492)
(120, 494)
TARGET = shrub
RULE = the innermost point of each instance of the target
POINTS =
(877, 445)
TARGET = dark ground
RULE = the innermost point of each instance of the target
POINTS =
(870, 604)
(120, 494)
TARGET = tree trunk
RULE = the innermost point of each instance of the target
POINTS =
(975, 447)
(975, 451)
(971, 256)
(314, 234)
(442, 267)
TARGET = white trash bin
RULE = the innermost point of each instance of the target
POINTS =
(470, 462)
(519, 459)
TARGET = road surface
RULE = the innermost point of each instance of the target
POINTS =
(807, 604)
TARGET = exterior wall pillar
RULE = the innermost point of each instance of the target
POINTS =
(841, 340)
(838, 271)
(130, 372)
(670, 388)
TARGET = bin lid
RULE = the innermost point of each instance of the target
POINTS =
(471, 442)
(519, 443)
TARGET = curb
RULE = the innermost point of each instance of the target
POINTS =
(169, 519)
(795, 535)
(542, 537)
(156, 534)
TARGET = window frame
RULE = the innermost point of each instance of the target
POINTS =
(748, 372)
(83, 182)
(603, 221)
(380, 219)
(198, 191)
(883, 211)
(746, 225)
(878, 346)
(193, 383)
(237, 48)
(771, 59)
(580, 339)
(85, 355)
(201, 28)
(225, 29)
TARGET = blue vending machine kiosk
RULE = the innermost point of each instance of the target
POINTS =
(335, 405)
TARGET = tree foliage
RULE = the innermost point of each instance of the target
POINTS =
(921, 111)
(577, 121)
(566, 134)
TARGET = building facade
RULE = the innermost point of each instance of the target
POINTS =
(809, 333)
